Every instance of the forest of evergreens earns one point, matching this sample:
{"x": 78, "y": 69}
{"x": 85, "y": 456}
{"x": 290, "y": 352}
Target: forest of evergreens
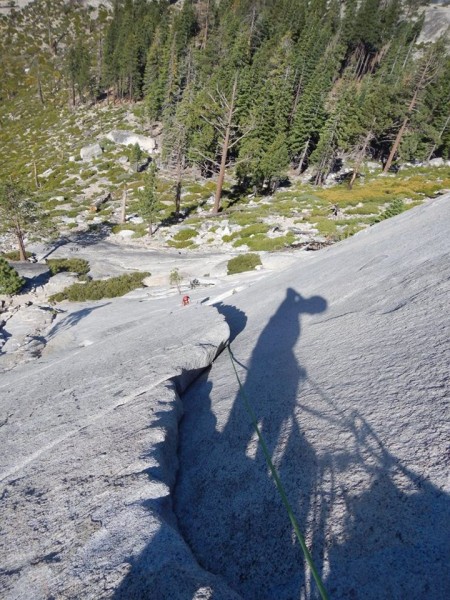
{"x": 267, "y": 85}
{"x": 316, "y": 81}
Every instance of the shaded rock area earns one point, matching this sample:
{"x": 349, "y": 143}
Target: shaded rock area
{"x": 88, "y": 460}
{"x": 35, "y": 274}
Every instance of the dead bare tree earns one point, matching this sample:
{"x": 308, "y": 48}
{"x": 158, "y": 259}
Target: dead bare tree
{"x": 123, "y": 211}
{"x": 224, "y": 122}
{"x": 428, "y": 70}
{"x": 441, "y": 133}
{"x": 360, "y": 153}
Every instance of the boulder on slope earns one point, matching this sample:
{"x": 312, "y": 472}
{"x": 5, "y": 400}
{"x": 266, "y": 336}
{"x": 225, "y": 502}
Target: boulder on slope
{"x": 129, "y": 138}
{"x": 90, "y": 152}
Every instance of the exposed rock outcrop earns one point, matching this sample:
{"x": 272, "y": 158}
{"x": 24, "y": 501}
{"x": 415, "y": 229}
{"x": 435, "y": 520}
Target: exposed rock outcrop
{"x": 437, "y": 23}
{"x": 88, "y": 153}
{"x": 128, "y": 138}
{"x": 344, "y": 357}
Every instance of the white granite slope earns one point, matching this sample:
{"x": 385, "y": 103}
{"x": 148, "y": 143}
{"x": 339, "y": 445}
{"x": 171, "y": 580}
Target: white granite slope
{"x": 345, "y": 358}
{"x": 89, "y": 439}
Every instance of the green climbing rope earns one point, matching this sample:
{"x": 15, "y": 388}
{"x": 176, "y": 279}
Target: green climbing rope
{"x": 279, "y": 485}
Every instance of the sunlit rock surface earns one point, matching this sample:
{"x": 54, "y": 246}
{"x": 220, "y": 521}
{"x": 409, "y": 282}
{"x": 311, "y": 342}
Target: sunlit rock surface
{"x": 89, "y": 439}
{"x": 344, "y": 357}
{"x": 345, "y": 362}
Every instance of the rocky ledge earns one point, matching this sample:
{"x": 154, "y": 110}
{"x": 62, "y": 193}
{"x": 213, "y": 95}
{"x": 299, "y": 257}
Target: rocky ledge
{"x": 89, "y": 442}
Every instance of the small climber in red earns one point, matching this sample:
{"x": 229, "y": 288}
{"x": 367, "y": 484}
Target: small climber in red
{"x": 185, "y": 300}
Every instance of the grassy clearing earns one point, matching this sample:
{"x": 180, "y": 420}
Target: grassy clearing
{"x": 380, "y": 190}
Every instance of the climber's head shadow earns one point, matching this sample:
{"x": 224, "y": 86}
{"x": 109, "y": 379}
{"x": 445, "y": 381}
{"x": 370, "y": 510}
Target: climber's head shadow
{"x": 235, "y": 317}
{"x": 310, "y": 306}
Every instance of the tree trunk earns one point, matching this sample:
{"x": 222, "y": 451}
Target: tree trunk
{"x": 353, "y": 177}
{"x": 40, "y": 94}
{"x": 226, "y": 142}
{"x": 36, "y": 180}
{"x": 123, "y": 214}
{"x": 401, "y": 132}
{"x": 178, "y": 188}
{"x": 360, "y": 159}
{"x": 99, "y": 67}
{"x": 178, "y": 198}
{"x": 22, "y": 252}
{"x": 440, "y": 137}
{"x": 424, "y": 80}
{"x": 205, "y": 35}
{"x": 150, "y": 229}
{"x": 298, "y": 90}
{"x": 302, "y": 159}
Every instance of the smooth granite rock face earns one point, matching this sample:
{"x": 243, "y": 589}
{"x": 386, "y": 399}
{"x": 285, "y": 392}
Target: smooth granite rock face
{"x": 436, "y": 23}
{"x": 345, "y": 362}
{"x": 89, "y": 441}
{"x": 344, "y": 357}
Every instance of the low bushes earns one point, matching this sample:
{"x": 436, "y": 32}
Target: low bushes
{"x": 246, "y": 232}
{"x": 261, "y": 243}
{"x": 140, "y": 229}
{"x": 185, "y": 244}
{"x": 183, "y": 239}
{"x": 253, "y": 230}
{"x": 395, "y": 208}
{"x": 250, "y": 217}
{"x": 185, "y": 234}
{"x": 14, "y": 255}
{"x": 72, "y": 265}
{"x": 244, "y": 262}
{"x": 105, "y": 288}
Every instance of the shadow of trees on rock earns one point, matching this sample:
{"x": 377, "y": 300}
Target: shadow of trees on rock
{"x": 96, "y": 233}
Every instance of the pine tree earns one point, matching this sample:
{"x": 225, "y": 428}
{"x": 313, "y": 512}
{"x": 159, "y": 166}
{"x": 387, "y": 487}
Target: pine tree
{"x": 10, "y": 281}
{"x": 269, "y": 116}
{"x": 177, "y": 141}
{"x": 78, "y": 67}
{"x": 19, "y": 214}
{"x": 154, "y": 81}
{"x": 311, "y": 114}
{"x": 136, "y": 154}
{"x": 148, "y": 206}
{"x": 275, "y": 162}
{"x": 219, "y": 115}
{"x": 429, "y": 126}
